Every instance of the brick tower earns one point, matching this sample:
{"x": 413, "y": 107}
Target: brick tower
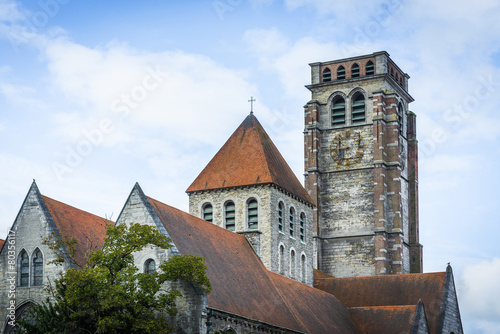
{"x": 361, "y": 167}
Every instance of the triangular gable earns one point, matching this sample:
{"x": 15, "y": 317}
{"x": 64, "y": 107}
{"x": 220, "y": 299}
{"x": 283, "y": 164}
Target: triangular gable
{"x": 242, "y": 285}
{"x": 448, "y": 320}
{"x": 389, "y": 290}
{"x": 137, "y": 209}
{"x": 249, "y": 157}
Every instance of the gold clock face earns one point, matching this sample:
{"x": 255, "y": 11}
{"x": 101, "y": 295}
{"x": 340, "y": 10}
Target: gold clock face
{"x": 347, "y": 148}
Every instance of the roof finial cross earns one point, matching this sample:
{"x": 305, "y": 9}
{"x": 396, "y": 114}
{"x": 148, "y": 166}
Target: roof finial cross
{"x": 251, "y": 104}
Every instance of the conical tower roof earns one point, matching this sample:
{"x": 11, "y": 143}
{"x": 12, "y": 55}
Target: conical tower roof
{"x": 249, "y": 157}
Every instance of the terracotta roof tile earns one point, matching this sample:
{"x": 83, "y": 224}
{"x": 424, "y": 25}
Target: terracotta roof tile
{"x": 242, "y": 285}
{"x": 384, "y": 319}
{"x": 1, "y": 243}
{"x": 389, "y": 290}
{"x": 249, "y": 157}
{"x": 89, "y": 230}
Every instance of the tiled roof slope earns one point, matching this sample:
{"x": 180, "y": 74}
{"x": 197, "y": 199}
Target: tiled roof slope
{"x": 242, "y": 285}
{"x": 89, "y": 230}
{"x": 1, "y": 243}
{"x": 249, "y": 157}
{"x": 389, "y": 290}
{"x": 381, "y": 319}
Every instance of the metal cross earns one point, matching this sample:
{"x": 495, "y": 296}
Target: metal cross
{"x": 251, "y": 103}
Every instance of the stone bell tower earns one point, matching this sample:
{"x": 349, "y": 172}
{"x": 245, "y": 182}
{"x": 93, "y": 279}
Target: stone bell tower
{"x": 361, "y": 167}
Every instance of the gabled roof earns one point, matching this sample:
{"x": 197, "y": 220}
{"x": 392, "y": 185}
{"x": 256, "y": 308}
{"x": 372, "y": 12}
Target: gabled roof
{"x": 389, "y": 290}
{"x": 242, "y": 285}
{"x": 87, "y": 229}
{"x": 249, "y": 157}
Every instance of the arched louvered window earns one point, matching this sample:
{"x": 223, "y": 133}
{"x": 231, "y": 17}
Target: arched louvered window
{"x": 327, "y": 75}
{"x": 355, "y": 71}
{"x": 281, "y": 207}
{"x": 400, "y": 118}
{"x": 24, "y": 268}
{"x": 208, "y": 212}
{"x": 338, "y": 111}
{"x": 358, "y": 108}
{"x": 370, "y": 68}
{"x": 230, "y": 215}
{"x": 302, "y": 228}
{"x": 149, "y": 266}
{"x": 292, "y": 222}
{"x": 37, "y": 268}
{"x": 341, "y": 73}
{"x": 392, "y": 72}
{"x": 253, "y": 214}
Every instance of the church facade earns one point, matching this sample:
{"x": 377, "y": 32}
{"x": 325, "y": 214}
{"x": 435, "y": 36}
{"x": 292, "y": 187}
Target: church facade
{"x": 340, "y": 255}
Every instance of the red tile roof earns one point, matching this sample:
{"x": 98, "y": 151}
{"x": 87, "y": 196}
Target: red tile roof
{"x": 389, "y": 290}
{"x": 249, "y": 157}
{"x": 384, "y": 319}
{"x": 1, "y": 243}
{"x": 242, "y": 285}
{"x": 89, "y": 230}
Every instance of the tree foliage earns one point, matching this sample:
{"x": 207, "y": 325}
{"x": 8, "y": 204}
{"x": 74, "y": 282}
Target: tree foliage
{"x": 110, "y": 295}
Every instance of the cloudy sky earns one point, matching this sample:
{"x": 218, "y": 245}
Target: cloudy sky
{"x": 96, "y": 95}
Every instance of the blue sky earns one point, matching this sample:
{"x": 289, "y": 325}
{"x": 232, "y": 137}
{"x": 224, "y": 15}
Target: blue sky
{"x": 96, "y": 95}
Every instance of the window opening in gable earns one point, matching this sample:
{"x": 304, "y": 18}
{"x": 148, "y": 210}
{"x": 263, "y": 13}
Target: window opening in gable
{"x": 24, "y": 268}
{"x": 37, "y": 268}
{"x": 149, "y": 266}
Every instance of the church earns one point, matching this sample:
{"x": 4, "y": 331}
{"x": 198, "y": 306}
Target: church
{"x": 339, "y": 254}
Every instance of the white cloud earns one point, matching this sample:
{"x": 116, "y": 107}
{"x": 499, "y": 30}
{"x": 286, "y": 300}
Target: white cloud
{"x": 480, "y": 290}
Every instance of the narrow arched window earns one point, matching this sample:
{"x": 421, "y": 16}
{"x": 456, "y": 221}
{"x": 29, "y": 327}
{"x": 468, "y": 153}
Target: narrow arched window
{"x": 24, "y": 268}
{"x": 292, "y": 217}
{"x": 280, "y": 216}
{"x": 341, "y": 73}
{"x": 392, "y": 72}
{"x": 358, "y": 108}
{"x": 370, "y": 68}
{"x": 302, "y": 227}
{"x": 282, "y": 260}
{"x": 230, "y": 217}
{"x": 208, "y": 212}
{"x": 292, "y": 264}
{"x": 355, "y": 71}
{"x": 400, "y": 118}
{"x": 327, "y": 75}
{"x": 303, "y": 268}
{"x": 149, "y": 266}
{"x": 253, "y": 214}
{"x": 338, "y": 111}
{"x": 37, "y": 268}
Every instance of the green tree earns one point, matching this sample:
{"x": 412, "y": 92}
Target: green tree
{"x": 108, "y": 294}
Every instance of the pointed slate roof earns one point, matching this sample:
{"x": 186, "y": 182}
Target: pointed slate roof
{"x": 242, "y": 285}
{"x": 249, "y": 157}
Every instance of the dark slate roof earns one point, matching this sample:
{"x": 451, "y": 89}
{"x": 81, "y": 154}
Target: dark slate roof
{"x": 389, "y": 290}
{"x": 89, "y": 230}
{"x": 242, "y": 285}
{"x": 249, "y": 157}
{"x": 384, "y": 319}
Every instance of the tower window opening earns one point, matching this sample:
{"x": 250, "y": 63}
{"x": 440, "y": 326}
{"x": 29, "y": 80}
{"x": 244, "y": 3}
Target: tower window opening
{"x": 341, "y": 73}
{"x": 280, "y": 216}
{"x": 370, "y": 68}
{"x": 149, "y": 266}
{"x": 292, "y": 214}
{"x": 358, "y": 108}
{"x": 282, "y": 260}
{"x": 327, "y": 75}
{"x": 253, "y": 214}
{"x": 355, "y": 71}
{"x": 338, "y": 111}
{"x": 230, "y": 216}
{"x": 302, "y": 227}
{"x": 208, "y": 211}
{"x": 303, "y": 268}
{"x": 400, "y": 119}
{"x": 292, "y": 264}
